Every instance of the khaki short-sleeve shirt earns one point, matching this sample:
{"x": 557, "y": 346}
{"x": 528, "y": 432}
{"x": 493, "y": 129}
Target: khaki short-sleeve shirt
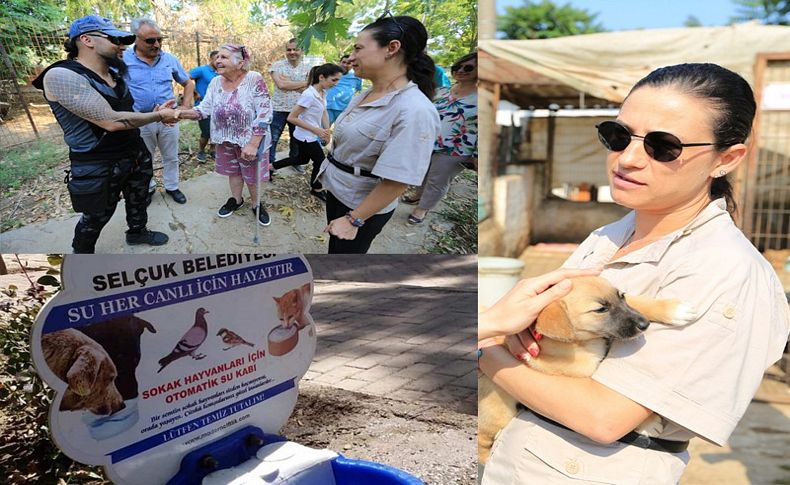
{"x": 392, "y": 137}
{"x": 699, "y": 378}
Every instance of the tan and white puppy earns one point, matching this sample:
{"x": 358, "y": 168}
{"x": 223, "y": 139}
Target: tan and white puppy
{"x": 577, "y": 330}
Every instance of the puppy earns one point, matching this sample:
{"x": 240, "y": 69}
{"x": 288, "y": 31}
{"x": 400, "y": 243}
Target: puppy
{"x": 90, "y": 373}
{"x": 577, "y": 331}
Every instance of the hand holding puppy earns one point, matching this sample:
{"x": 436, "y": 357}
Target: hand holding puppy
{"x": 519, "y": 308}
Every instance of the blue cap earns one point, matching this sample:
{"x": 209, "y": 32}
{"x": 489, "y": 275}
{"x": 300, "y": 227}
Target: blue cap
{"x": 94, "y": 23}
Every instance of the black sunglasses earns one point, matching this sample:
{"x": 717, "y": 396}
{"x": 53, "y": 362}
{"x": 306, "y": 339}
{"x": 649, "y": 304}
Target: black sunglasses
{"x": 387, "y": 14}
{"x": 153, "y": 40}
{"x": 111, "y": 38}
{"x": 464, "y": 68}
{"x": 661, "y": 146}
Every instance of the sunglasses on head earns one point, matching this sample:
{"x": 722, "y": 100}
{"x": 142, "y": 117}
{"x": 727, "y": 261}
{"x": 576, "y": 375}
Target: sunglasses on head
{"x": 386, "y": 14}
{"x": 464, "y": 68}
{"x": 153, "y": 40}
{"x": 111, "y": 38}
{"x": 659, "y": 145}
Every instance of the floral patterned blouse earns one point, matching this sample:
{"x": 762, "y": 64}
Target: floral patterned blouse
{"x": 239, "y": 114}
{"x": 459, "y": 123}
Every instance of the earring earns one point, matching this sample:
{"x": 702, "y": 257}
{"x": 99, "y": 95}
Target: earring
{"x": 721, "y": 173}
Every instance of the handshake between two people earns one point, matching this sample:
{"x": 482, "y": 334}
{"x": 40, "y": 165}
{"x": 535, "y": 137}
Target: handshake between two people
{"x": 171, "y": 114}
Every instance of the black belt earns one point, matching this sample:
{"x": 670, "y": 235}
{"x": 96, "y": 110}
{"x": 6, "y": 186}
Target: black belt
{"x": 349, "y": 169}
{"x": 636, "y": 439}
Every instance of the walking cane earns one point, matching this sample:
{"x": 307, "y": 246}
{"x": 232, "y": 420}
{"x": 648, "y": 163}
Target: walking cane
{"x": 256, "y": 239}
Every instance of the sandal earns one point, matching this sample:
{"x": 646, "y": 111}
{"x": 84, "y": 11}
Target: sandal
{"x": 409, "y": 199}
{"x": 413, "y": 220}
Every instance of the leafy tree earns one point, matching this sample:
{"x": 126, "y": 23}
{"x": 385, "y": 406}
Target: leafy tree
{"x": 119, "y": 11}
{"x": 545, "y": 20}
{"x": 773, "y": 12}
{"x": 328, "y": 27}
{"x": 24, "y": 29}
{"x": 692, "y": 21}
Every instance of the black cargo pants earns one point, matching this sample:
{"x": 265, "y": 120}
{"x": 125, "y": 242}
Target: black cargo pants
{"x": 129, "y": 176}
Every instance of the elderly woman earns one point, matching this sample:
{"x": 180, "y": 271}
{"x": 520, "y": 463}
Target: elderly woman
{"x": 456, "y": 147}
{"x": 238, "y": 103}
{"x": 384, "y": 139}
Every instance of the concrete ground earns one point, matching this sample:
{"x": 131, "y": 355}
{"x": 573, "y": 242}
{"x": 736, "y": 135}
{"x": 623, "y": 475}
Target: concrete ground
{"x": 393, "y": 379}
{"x": 400, "y": 327}
{"x": 195, "y": 227}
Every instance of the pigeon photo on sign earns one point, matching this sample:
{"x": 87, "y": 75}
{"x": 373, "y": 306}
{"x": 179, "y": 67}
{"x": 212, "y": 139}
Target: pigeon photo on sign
{"x": 152, "y": 357}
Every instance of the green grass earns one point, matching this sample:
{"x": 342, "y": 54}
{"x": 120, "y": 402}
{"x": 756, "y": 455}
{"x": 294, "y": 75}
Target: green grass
{"x": 21, "y": 165}
{"x": 189, "y": 132}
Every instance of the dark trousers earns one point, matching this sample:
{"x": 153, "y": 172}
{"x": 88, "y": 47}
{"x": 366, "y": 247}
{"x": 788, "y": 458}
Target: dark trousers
{"x": 365, "y": 234}
{"x": 129, "y": 177}
{"x": 279, "y": 120}
{"x": 308, "y": 150}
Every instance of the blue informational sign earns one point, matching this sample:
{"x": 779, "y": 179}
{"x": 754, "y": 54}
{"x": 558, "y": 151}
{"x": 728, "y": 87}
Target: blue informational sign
{"x": 152, "y": 357}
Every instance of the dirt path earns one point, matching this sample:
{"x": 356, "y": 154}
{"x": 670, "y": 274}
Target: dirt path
{"x": 435, "y": 444}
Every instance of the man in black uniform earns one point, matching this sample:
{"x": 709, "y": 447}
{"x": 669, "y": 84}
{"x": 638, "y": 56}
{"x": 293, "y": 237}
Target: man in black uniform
{"x": 93, "y": 105}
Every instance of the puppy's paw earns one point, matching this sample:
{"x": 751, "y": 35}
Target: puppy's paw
{"x": 683, "y": 314}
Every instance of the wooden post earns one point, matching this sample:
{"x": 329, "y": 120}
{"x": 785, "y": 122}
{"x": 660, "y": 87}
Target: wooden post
{"x": 197, "y": 47}
{"x": 10, "y": 67}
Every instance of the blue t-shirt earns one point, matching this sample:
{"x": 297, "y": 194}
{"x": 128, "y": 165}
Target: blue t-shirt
{"x": 338, "y": 97}
{"x": 202, "y": 76}
{"x": 441, "y": 79}
{"x": 152, "y": 85}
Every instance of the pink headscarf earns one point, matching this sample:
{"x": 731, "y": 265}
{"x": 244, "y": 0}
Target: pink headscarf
{"x": 239, "y": 50}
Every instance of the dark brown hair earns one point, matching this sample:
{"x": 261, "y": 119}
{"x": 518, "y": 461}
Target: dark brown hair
{"x": 728, "y": 94}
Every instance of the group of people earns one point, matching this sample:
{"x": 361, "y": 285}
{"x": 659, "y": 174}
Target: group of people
{"x": 366, "y": 147}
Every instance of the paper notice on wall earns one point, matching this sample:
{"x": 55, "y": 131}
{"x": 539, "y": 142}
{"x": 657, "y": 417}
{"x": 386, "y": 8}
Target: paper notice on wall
{"x": 153, "y": 356}
{"x": 776, "y": 96}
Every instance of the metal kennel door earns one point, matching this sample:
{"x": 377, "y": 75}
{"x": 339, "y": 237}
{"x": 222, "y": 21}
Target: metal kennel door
{"x": 765, "y": 196}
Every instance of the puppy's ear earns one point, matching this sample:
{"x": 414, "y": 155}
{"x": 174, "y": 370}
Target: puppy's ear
{"x": 83, "y": 371}
{"x": 554, "y": 322}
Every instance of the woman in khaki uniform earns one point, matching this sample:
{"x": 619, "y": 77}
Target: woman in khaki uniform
{"x": 679, "y": 134}
{"x": 383, "y": 141}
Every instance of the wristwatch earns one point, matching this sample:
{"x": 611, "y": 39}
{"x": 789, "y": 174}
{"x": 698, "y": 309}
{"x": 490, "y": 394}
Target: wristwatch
{"x": 355, "y": 221}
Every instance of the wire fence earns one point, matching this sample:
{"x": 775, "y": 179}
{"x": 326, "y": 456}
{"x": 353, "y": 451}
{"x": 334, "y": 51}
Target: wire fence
{"x": 25, "y": 115}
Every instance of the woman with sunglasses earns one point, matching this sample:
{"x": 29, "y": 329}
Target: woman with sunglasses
{"x": 456, "y": 147}
{"x": 384, "y": 139}
{"x": 679, "y": 135}
{"x": 240, "y": 109}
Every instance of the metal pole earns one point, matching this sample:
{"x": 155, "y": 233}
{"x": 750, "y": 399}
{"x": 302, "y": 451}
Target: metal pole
{"x": 10, "y": 66}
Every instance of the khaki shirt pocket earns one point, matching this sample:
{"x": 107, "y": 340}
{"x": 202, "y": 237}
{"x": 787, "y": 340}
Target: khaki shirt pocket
{"x": 588, "y": 461}
{"x": 374, "y": 135}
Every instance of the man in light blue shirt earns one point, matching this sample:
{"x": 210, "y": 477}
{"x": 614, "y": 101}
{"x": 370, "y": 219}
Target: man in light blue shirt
{"x": 338, "y": 97}
{"x": 203, "y": 76}
{"x": 150, "y": 77}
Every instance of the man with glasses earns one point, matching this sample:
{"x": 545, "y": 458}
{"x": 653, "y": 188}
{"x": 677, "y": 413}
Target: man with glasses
{"x": 93, "y": 106}
{"x": 290, "y": 79}
{"x": 150, "y": 76}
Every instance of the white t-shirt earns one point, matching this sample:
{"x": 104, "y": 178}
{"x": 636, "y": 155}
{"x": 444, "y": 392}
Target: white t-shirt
{"x": 314, "y": 105}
